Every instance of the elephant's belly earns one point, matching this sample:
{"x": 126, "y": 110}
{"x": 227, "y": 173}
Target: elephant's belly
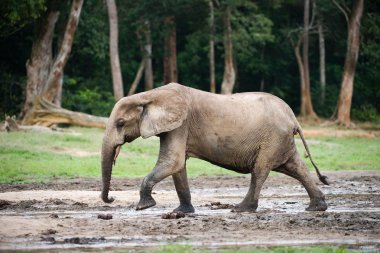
{"x": 236, "y": 168}
{"x": 224, "y": 164}
{"x": 226, "y": 147}
{"x": 231, "y": 159}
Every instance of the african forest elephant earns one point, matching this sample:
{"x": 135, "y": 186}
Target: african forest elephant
{"x": 247, "y": 133}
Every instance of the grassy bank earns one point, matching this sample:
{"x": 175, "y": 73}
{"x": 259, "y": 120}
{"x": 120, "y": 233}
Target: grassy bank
{"x": 26, "y": 157}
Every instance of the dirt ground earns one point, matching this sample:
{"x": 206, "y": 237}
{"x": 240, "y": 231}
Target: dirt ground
{"x": 68, "y": 214}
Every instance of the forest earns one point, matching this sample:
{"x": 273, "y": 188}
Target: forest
{"x": 321, "y": 57}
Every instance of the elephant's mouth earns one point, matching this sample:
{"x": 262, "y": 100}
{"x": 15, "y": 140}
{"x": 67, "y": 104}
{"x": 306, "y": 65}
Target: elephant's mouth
{"x": 117, "y": 151}
{"x": 127, "y": 139}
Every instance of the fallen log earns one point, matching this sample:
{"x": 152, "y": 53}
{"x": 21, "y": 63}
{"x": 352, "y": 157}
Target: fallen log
{"x": 48, "y": 114}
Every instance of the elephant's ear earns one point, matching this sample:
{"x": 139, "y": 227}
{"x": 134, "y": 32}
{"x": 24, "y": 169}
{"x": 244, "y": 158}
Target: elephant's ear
{"x": 164, "y": 110}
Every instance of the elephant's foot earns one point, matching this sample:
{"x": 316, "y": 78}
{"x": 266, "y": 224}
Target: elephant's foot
{"x": 185, "y": 208}
{"x": 317, "y": 205}
{"x": 244, "y": 207}
{"x": 145, "y": 203}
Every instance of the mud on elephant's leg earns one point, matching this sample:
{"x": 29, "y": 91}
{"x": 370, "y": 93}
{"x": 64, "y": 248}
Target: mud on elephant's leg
{"x": 297, "y": 169}
{"x": 183, "y": 192}
{"x": 160, "y": 171}
{"x": 146, "y": 199}
{"x": 250, "y": 202}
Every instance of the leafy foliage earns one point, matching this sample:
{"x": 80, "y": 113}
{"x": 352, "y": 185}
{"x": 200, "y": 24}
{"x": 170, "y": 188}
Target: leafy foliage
{"x": 18, "y": 13}
{"x": 89, "y": 101}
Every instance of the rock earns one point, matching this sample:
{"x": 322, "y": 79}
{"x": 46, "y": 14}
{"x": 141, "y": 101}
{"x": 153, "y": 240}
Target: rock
{"x": 49, "y": 232}
{"x": 107, "y": 216}
{"x": 173, "y": 215}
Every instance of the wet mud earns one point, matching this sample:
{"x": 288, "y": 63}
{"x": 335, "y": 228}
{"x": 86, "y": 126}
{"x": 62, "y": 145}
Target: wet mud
{"x": 71, "y": 215}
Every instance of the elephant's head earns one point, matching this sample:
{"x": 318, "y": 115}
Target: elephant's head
{"x": 145, "y": 114}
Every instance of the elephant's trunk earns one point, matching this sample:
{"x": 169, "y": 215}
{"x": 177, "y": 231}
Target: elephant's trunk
{"x": 108, "y": 153}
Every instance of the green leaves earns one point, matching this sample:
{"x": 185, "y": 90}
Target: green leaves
{"x": 17, "y": 13}
{"x": 92, "y": 101}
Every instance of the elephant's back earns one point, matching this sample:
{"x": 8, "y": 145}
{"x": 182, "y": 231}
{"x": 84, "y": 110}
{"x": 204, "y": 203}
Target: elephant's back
{"x": 250, "y": 109}
{"x": 267, "y": 107}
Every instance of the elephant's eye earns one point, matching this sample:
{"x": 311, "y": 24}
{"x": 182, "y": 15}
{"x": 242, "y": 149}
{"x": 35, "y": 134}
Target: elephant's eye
{"x": 120, "y": 123}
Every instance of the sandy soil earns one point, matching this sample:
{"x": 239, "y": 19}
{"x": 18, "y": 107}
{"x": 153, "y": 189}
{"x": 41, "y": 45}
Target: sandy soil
{"x": 70, "y": 215}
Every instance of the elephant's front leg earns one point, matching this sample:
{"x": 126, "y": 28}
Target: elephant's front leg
{"x": 183, "y": 192}
{"x": 160, "y": 171}
{"x": 171, "y": 161}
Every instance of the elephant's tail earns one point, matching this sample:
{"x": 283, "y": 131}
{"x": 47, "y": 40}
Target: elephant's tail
{"x": 321, "y": 177}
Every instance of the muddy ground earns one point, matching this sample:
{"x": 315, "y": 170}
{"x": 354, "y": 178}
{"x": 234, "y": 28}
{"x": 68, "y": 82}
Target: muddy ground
{"x": 68, "y": 214}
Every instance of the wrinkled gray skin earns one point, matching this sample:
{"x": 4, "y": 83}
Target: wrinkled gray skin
{"x": 247, "y": 133}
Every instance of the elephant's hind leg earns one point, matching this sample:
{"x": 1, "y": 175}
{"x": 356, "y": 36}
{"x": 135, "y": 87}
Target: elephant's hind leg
{"x": 297, "y": 169}
{"x": 183, "y": 192}
{"x": 250, "y": 202}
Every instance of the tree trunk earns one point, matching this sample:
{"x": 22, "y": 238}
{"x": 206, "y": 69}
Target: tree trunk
{"x": 262, "y": 85}
{"x": 55, "y": 76}
{"x": 229, "y": 71}
{"x": 212, "y": 49}
{"x": 262, "y": 81}
{"x": 148, "y": 69}
{"x": 170, "y": 57}
{"x": 322, "y": 61}
{"x": 353, "y": 45}
{"x": 307, "y": 110}
{"x": 300, "y": 63}
{"x": 58, "y": 98}
{"x": 39, "y": 63}
{"x": 138, "y": 76}
{"x": 114, "y": 50}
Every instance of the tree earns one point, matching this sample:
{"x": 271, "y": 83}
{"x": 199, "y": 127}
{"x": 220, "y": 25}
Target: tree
{"x": 45, "y": 75}
{"x": 212, "y": 49}
{"x": 114, "y": 50}
{"x": 53, "y": 85}
{"x": 306, "y": 108}
{"x": 170, "y": 51}
{"x": 229, "y": 69}
{"x": 322, "y": 56}
{"x": 353, "y": 18}
{"x": 38, "y": 65}
{"x": 148, "y": 69}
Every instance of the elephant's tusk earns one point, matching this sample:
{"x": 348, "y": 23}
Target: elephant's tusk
{"x": 117, "y": 151}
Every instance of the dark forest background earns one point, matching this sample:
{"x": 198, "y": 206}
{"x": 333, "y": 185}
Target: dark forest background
{"x": 263, "y": 54}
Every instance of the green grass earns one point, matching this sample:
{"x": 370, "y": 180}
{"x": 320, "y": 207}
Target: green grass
{"x": 36, "y": 157}
{"x": 343, "y": 153}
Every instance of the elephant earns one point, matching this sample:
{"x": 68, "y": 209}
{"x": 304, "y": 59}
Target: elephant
{"x": 249, "y": 133}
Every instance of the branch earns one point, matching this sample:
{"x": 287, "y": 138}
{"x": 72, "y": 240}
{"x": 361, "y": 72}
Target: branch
{"x": 343, "y": 9}
{"x": 313, "y": 11}
{"x": 132, "y": 90}
{"x": 216, "y": 3}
